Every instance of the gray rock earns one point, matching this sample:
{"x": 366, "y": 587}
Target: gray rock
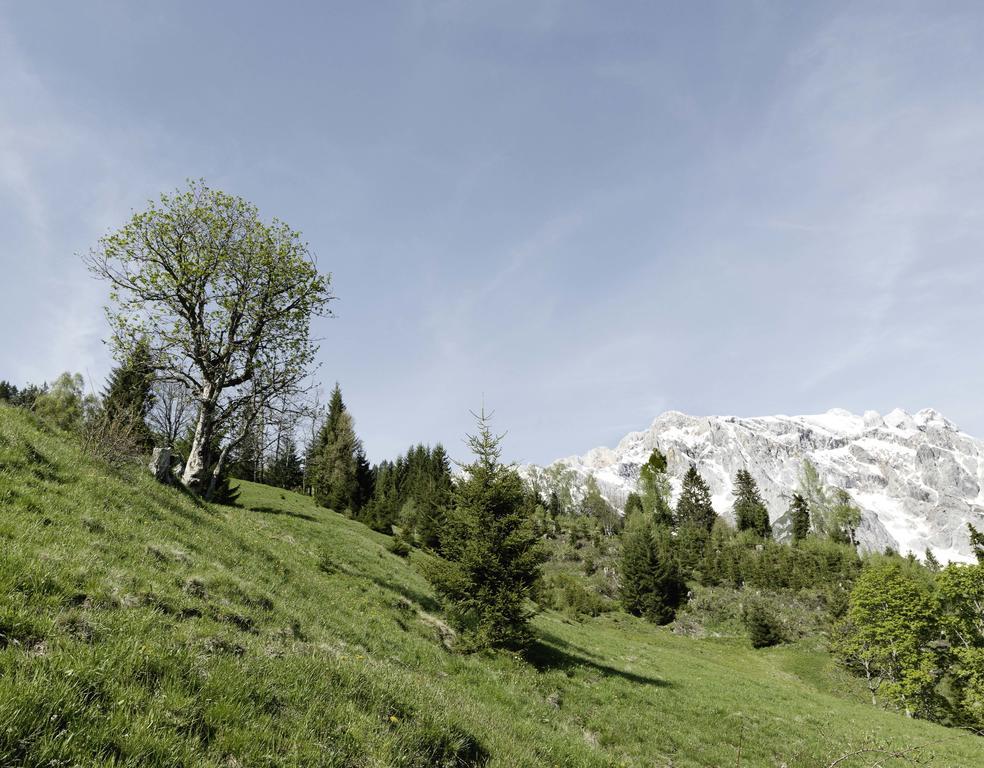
{"x": 160, "y": 464}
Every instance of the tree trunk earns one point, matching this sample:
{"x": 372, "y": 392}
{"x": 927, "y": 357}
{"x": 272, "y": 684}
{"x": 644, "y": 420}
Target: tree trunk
{"x": 195, "y": 475}
{"x": 217, "y": 473}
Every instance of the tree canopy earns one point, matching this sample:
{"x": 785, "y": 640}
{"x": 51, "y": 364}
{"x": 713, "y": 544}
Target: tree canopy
{"x": 225, "y": 302}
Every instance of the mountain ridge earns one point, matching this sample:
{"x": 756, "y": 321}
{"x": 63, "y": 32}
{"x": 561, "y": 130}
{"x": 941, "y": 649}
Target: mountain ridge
{"x": 917, "y": 478}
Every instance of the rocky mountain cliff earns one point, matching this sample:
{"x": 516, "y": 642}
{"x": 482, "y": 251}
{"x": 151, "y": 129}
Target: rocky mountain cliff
{"x": 917, "y": 478}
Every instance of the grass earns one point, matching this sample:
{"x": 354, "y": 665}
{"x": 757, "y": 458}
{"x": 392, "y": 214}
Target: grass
{"x": 139, "y": 627}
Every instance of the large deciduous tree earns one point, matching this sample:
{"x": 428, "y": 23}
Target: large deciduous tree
{"x": 887, "y": 636}
{"x": 225, "y": 302}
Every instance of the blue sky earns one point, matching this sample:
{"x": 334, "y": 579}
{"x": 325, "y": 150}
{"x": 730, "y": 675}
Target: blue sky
{"x": 586, "y": 213}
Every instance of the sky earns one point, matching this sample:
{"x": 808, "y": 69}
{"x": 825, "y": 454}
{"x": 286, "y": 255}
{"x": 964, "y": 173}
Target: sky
{"x": 580, "y": 214}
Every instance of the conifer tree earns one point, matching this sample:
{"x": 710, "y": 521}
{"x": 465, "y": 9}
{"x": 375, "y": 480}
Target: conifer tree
{"x": 763, "y": 627}
{"x": 654, "y": 489}
{"x": 434, "y": 499}
{"x": 8, "y": 392}
{"x": 694, "y": 505}
{"x": 363, "y": 479}
{"x": 749, "y": 509}
{"x": 381, "y": 512}
{"x": 553, "y": 505}
{"x": 492, "y": 557}
{"x": 335, "y": 472}
{"x": 651, "y": 583}
{"x": 633, "y": 504}
{"x": 285, "y": 470}
{"x": 128, "y": 398}
{"x": 931, "y": 562}
{"x": 976, "y": 542}
{"x": 799, "y": 514}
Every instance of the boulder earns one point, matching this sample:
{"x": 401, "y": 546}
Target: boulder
{"x": 160, "y": 464}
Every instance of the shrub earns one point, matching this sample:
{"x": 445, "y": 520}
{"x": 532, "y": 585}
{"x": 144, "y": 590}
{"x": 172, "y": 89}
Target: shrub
{"x": 763, "y": 627}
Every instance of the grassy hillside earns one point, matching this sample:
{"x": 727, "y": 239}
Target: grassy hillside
{"x": 140, "y": 627}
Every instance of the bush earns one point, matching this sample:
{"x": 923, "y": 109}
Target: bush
{"x": 763, "y": 627}
{"x": 116, "y": 441}
{"x": 569, "y": 594}
{"x": 400, "y": 547}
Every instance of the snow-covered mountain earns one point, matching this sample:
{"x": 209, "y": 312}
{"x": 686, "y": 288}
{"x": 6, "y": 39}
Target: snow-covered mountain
{"x": 917, "y": 478}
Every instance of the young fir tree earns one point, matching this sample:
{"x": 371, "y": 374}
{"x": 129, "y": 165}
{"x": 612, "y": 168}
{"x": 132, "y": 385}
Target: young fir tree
{"x": 654, "y": 489}
{"x": 492, "y": 557}
{"x": 384, "y": 506}
{"x": 554, "y": 509}
{"x": 434, "y": 498}
{"x": 749, "y": 509}
{"x": 363, "y": 479}
{"x": 128, "y": 398}
{"x": 763, "y": 627}
{"x": 931, "y": 562}
{"x": 8, "y": 392}
{"x": 651, "y": 584}
{"x": 799, "y": 514}
{"x": 976, "y": 542}
{"x": 335, "y": 474}
{"x": 633, "y": 504}
{"x": 285, "y": 470}
{"x": 694, "y": 505}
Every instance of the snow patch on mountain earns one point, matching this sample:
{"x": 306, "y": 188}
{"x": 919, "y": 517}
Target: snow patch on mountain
{"x": 916, "y": 477}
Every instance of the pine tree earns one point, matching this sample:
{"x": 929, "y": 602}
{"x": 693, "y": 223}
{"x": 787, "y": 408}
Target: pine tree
{"x": 553, "y": 506}
{"x": 694, "y": 505}
{"x": 363, "y": 479}
{"x": 335, "y": 472}
{"x": 434, "y": 498}
{"x": 976, "y": 542}
{"x": 654, "y": 489}
{"x": 633, "y": 504}
{"x": 383, "y": 508}
{"x": 285, "y": 470}
{"x": 128, "y": 398}
{"x": 492, "y": 556}
{"x": 763, "y": 627}
{"x": 8, "y": 392}
{"x": 651, "y": 583}
{"x": 749, "y": 509}
{"x": 931, "y": 562}
{"x": 799, "y": 514}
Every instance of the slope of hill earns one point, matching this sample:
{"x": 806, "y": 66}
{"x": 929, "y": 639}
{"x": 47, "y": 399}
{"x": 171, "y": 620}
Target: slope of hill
{"x": 139, "y": 627}
{"x": 917, "y": 478}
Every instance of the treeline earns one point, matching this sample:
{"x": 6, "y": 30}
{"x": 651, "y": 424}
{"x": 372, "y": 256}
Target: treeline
{"x": 913, "y": 630}
{"x": 411, "y": 492}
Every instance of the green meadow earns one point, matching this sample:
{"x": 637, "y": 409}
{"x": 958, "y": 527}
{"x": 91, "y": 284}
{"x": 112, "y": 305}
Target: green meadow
{"x": 140, "y": 626}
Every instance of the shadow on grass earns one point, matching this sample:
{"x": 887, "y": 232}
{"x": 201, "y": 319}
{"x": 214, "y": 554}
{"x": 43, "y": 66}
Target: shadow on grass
{"x": 549, "y": 652}
{"x": 426, "y": 602}
{"x": 278, "y": 511}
